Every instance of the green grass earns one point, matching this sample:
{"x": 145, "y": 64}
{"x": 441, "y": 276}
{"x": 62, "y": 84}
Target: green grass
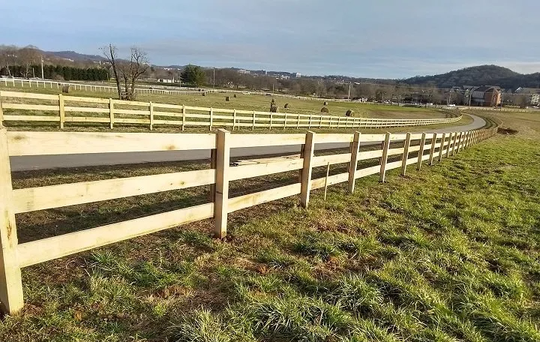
{"x": 451, "y": 253}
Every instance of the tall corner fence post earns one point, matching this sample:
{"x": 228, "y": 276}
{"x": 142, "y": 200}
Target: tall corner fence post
{"x": 307, "y": 154}
{"x": 421, "y": 152}
{"x": 151, "y": 109}
{"x": 111, "y": 113}
{"x": 441, "y": 147}
{"x": 183, "y": 117}
{"x": 221, "y": 196}
{"x": 405, "y": 158}
{"x": 432, "y": 149}
{"x": 11, "y": 290}
{"x": 61, "y": 110}
{"x": 384, "y": 158}
{"x": 353, "y": 165}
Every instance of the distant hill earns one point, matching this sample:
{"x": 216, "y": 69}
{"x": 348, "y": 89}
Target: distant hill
{"x": 75, "y": 56}
{"x": 479, "y": 75}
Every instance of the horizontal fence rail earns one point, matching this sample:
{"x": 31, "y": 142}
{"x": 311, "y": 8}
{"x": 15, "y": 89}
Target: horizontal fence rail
{"x": 62, "y": 110}
{"x": 395, "y": 153}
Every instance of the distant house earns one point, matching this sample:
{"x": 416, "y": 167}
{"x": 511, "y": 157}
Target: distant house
{"x": 532, "y": 94}
{"x": 485, "y": 96}
{"x": 166, "y": 80}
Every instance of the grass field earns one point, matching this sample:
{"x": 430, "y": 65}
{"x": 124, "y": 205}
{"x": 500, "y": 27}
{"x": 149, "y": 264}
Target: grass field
{"x": 262, "y": 103}
{"x": 451, "y": 253}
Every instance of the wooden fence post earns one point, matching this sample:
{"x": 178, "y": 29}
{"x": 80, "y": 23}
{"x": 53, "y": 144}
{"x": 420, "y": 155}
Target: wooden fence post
{"x": 353, "y": 165}
{"x": 441, "y": 148}
{"x": 211, "y": 117}
{"x": 449, "y": 145}
{"x": 151, "y": 115}
{"x": 432, "y": 150}
{"x": 406, "y": 146}
{"x": 253, "y": 124}
{"x": 1, "y": 110}
{"x": 271, "y": 120}
{"x": 111, "y": 112}
{"x": 297, "y": 121}
{"x": 310, "y": 118}
{"x": 421, "y": 152}
{"x": 285, "y": 122}
{"x": 234, "y": 119}
{"x": 384, "y": 159}
{"x": 183, "y": 117}
{"x": 11, "y": 291}
{"x": 454, "y": 144}
{"x": 308, "y": 152}
{"x": 223, "y": 158}
{"x": 61, "y": 112}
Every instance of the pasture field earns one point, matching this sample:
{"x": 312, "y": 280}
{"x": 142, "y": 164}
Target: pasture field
{"x": 451, "y": 253}
{"x": 262, "y": 103}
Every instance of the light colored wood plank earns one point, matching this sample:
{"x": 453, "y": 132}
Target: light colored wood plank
{"x": 332, "y": 180}
{"x": 449, "y": 144}
{"x": 384, "y": 158}
{"x": 421, "y": 151}
{"x": 393, "y": 165}
{"x": 22, "y": 106}
{"x": 432, "y": 148}
{"x": 308, "y": 153}
{"x": 368, "y": 171}
{"x": 223, "y": 158}
{"x": 253, "y": 140}
{"x": 62, "y": 112}
{"x": 334, "y": 138}
{"x": 85, "y": 99}
{"x": 11, "y": 291}
{"x": 370, "y": 154}
{"x": 31, "y": 118}
{"x": 246, "y": 201}
{"x": 86, "y": 109}
{"x": 332, "y": 159}
{"x": 22, "y": 95}
{"x": 55, "y": 196}
{"x": 46, "y": 143}
{"x": 151, "y": 109}
{"x": 263, "y": 169}
{"x": 405, "y": 157}
{"x": 35, "y": 252}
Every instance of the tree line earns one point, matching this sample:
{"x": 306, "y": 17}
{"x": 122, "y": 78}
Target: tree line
{"x": 58, "y": 72}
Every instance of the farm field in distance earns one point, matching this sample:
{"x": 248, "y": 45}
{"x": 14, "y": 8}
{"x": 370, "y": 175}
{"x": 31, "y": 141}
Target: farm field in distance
{"x": 261, "y": 103}
{"x": 450, "y": 253}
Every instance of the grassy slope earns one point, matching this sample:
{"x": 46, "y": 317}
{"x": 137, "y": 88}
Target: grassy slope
{"x": 450, "y": 253}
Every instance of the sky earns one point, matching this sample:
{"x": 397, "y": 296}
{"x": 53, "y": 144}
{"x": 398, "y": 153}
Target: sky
{"x": 376, "y": 39}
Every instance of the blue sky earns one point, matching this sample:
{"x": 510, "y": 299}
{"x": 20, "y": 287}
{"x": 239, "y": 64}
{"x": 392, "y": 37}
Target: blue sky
{"x": 384, "y": 38}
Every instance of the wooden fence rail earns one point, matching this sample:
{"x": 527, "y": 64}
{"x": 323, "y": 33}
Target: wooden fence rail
{"x": 64, "y": 110}
{"x": 395, "y": 153}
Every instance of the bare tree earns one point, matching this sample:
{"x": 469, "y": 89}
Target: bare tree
{"x": 26, "y": 57}
{"x": 8, "y": 55}
{"x": 111, "y": 54}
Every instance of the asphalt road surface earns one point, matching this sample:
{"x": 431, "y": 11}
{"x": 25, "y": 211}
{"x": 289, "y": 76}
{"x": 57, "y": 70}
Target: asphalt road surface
{"x": 88, "y": 159}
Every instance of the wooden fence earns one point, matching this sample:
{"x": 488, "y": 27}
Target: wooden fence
{"x": 394, "y": 153}
{"x": 61, "y": 109}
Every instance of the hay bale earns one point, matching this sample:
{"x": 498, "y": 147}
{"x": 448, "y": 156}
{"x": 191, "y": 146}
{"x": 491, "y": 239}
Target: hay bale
{"x": 234, "y": 95}
{"x": 286, "y": 105}
{"x": 65, "y": 89}
{"x": 227, "y": 98}
{"x": 325, "y": 103}
{"x": 324, "y": 110}
{"x": 203, "y": 94}
{"x": 349, "y": 113}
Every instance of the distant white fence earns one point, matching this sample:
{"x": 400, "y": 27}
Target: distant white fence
{"x": 61, "y": 109}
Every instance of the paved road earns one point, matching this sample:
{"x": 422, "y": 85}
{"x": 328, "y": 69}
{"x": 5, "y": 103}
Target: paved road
{"x": 81, "y": 160}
